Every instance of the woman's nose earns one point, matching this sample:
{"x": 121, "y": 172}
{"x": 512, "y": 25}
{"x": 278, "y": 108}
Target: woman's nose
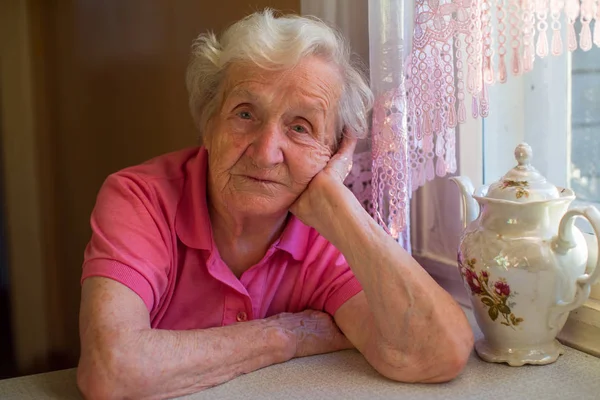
{"x": 267, "y": 147}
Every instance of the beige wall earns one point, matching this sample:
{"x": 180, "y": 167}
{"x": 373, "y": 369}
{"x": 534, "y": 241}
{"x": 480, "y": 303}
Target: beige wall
{"x": 100, "y": 87}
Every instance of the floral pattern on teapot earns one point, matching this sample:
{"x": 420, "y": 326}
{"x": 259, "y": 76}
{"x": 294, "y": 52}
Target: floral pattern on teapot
{"x": 529, "y": 245}
{"x": 494, "y": 295}
{"x": 520, "y": 185}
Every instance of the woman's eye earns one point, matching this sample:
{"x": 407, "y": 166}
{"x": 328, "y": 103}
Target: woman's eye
{"x": 299, "y": 129}
{"x": 245, "y": 115}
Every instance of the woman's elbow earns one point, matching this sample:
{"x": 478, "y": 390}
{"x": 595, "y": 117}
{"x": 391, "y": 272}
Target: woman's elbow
{"x": 436, "y": 371}
{"x": 91, "y": 385}
{"x": 450, "y": 357}
{"x": 451, "y": 352}
{"x": 449, "y": 367}
{"x": 438, "y": 364}
{"x": 104, "y": 377}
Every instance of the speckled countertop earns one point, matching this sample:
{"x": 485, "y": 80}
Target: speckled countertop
{"x": 346, "y": 375}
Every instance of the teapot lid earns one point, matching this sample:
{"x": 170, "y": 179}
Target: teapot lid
{"x": 523, "y": 183}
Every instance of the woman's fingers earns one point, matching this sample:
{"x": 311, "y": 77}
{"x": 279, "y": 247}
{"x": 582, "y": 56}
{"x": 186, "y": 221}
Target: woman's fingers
{"x": 315, "y": 332}
{"x": 341, "y": 162}
{"x": 347, "y": 146}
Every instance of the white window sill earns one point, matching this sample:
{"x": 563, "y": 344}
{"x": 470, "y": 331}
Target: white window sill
{"x": 582, "y": 330}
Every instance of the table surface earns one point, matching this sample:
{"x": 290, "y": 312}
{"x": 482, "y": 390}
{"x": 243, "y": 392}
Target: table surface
{"x": 346, "y": 375}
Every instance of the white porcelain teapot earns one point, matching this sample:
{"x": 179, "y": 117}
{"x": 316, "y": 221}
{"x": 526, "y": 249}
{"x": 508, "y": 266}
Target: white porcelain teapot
{"x": 524, "y": 262}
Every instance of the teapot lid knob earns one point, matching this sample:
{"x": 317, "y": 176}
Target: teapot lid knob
{"x": 523, "y": 183}
{"x": 523, "y": 154}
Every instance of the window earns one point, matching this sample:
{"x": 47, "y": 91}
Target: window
{"x": 584, "y": 168}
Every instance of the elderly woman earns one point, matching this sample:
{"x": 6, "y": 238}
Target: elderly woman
{"x": 215, "y": 261}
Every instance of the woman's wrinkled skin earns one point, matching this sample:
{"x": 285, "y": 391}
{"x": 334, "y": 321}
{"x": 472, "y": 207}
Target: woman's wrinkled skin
{"x": 274, "y": 132}
{"x": 272, "y": 135}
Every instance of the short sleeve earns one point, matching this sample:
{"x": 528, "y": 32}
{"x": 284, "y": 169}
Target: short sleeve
{"x": 331, "y": 281}
{"x": 130, "y": 238}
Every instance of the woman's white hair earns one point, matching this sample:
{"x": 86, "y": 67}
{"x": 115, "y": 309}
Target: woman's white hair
{"x": 276, "y": 43}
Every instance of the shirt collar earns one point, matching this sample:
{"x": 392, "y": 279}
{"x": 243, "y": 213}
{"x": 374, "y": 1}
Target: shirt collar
{"x": 192, "y": 221}
{"x": 294, "y": 238}
{"x": 193, "y": 224}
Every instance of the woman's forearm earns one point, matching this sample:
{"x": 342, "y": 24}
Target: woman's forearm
{"x": 157, "y": 364}
{"x": 412, "y": 314}
{"x": 154, "y": 363}
{"x": 393, "y": 281}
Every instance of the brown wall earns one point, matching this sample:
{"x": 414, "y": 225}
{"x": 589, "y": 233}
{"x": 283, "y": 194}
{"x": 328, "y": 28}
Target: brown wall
{"x": 107, "y": 90}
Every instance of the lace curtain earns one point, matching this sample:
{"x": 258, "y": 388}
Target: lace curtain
{"x": 459, "y": 48}
{"x": 374, "y": 165}
{"x": 390, "y": 31}
{"x": 431, "y": 62}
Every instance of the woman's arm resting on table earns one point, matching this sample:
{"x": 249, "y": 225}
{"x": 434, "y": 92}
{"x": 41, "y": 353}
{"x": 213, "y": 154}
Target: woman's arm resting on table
{"x": 122, "y": 357}
{"x": 404, "y": 323}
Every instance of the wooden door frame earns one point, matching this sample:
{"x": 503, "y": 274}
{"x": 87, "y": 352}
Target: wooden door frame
{"x": 20, "y": 143}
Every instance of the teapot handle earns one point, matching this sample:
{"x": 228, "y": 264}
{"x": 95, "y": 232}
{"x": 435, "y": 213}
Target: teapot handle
{"x": 565, "y": 242}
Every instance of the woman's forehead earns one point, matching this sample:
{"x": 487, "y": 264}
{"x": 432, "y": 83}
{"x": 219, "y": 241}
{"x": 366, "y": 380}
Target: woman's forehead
{"x": 309, "y": 78}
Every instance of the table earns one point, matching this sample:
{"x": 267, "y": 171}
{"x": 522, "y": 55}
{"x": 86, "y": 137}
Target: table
{"x": 346, "y": 375}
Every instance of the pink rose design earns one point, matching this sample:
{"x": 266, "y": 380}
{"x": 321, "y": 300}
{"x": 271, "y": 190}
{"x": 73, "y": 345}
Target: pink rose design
{"x": 473, "y": 282}
{"x": 485, "y": 276}
{"x": 502, "y": 289}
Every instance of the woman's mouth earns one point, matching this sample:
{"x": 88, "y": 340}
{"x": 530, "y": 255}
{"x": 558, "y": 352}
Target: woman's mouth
{"x": 259, "y": 179}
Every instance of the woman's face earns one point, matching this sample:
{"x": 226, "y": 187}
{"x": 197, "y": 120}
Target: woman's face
{"x": 274, "y": 132}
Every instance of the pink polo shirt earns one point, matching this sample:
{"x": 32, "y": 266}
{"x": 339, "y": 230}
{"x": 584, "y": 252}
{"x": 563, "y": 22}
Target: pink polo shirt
{"x": 151, "y": 232}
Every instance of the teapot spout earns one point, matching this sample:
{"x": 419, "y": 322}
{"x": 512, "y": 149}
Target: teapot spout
{"x": 470, "y": 207}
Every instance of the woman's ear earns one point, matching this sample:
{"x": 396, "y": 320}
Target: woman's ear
{"x": 206, "y": 136}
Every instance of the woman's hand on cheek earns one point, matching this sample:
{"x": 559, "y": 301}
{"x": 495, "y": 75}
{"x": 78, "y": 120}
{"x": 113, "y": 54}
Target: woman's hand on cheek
{"x": 340, "y": 164}
{"x": 330, "y": 179}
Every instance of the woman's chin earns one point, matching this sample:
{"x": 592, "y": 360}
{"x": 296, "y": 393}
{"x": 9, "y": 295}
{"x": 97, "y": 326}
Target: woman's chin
{"x": 260, "y": 206}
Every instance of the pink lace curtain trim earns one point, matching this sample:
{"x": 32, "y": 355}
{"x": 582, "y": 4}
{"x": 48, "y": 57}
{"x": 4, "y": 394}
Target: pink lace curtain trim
{"x": 462, "y": 46}
{"x": 359, "y": 180}
{"x": 459, "y": 48}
